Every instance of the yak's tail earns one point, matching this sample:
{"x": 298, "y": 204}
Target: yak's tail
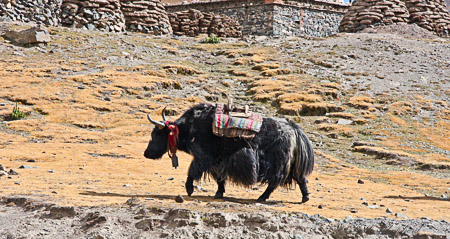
{"x": 303, "y": 155}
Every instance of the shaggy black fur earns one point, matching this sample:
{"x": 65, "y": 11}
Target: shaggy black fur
{"x": 278, "y": 155}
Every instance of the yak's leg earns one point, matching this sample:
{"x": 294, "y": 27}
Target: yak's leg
{"x": 189, "y": 185}
{"x": 304, "y": 189}
{"x": 269, "y": 190}
{"x": 196, "y": 169}
{"x": 220, "y": 189}
{"x": 220, "y": 183}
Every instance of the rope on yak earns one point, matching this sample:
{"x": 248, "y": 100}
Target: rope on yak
{"x": 172, "y": 142}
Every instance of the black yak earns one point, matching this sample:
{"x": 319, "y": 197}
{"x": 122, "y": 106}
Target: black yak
{"x": 277, "y": 155}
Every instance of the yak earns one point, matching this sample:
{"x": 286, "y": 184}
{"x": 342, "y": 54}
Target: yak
{"x": 277, "y": 155}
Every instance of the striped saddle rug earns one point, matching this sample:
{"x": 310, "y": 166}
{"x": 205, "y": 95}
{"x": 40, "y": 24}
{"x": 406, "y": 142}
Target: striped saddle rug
{"x": 228, "y": 125}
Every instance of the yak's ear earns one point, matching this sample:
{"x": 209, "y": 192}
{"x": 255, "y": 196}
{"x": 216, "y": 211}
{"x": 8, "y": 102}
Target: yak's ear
{"x": 158, "y": 124}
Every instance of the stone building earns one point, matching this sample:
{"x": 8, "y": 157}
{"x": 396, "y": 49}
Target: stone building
{"x": 275, "y": 17}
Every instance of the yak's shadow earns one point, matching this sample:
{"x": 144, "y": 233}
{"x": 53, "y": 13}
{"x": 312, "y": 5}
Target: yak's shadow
{"x": 186, "y": 198}
{"x": 417, "y": 198}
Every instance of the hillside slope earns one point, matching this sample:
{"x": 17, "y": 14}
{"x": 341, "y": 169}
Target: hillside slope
{"x": 374, "y": 105}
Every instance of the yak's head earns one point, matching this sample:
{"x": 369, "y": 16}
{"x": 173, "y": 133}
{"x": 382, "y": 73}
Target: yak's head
{"x": 157, "y": 146}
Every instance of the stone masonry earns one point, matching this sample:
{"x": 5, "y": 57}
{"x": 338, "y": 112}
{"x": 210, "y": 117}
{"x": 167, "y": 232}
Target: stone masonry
{"x": 223, "y": 17}
{"x": 146, "y": 16}
{"x": 193, "y": 22}
{"x": 429, "y": 14}
{"x": 103, "y": 15}
{"x": 276, "y": 18}
{"x": 43, "y": 11}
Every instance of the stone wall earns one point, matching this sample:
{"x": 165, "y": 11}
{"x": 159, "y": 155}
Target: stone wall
{"x": 254, "y": 16}
{"x": 255, "y": 20}
{"x": 429, "y": 14}
{"x": 104, "y": 15}
{"x": 194, "y": 22}
{"x": 296, "y": 21}
{"x": 257, "y": 17}
{"x": 43, "y": 11}
{"x": 432, "y": 15}
{"x": 146, "y": 16}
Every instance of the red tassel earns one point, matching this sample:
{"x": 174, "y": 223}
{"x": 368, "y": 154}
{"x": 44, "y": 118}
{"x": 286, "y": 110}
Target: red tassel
{"x": 173, "y": 138}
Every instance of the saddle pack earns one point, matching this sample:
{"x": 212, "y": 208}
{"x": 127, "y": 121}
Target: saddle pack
{"x": 234, "y": 122}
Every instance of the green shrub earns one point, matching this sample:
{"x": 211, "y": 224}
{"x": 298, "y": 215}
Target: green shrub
{"x": 17, "y": 114}
{"x": 212, "y": 39}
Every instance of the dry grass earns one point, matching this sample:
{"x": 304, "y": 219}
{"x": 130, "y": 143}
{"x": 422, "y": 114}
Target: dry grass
{"x": 182, "y": 70}
{"x": 361, "y": 102}
{"x": 266, "y": 66}
{"x": 401, "y": 107}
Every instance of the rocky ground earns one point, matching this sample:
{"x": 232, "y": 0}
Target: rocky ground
{"x": 375, "y": 105}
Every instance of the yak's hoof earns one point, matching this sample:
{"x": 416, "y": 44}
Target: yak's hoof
{"x": 189, "y": 189}
{"x": 305, "y": 199}
{"x": 218, "y": 195}
{"x": 261, "y": 199}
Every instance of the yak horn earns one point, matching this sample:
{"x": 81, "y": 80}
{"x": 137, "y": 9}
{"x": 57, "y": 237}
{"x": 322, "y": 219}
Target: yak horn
{"x": 164, "y": 114}
{"x": 157, "y": 123}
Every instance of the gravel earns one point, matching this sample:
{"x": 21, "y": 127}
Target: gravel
{"x": 40, "y": 220}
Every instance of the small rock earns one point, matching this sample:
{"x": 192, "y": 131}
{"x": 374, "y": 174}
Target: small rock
{"x": 320, "y": 207}
{"x": 373, "y": 206}
{"x": 365, "y": 203}
{"x": 31, "y": 161}
{"x": 151, "y": 199}
{"x": 25, "y": 167}
{"x": 2, "y": 104}
{"x": 443, "y": 196}
{"x": 401, "y": 215}
{"x": 51, "y": 171}
{"x": 353, "y": 211}
{"x": 179, "y": 199}
{"x": 344, "y": 122}
{"x": 3, "y": 173}
{"x": 199, "y": 188}
{"x": 81, "y": 87}
{"x": 329, "y": 220}
{"x": 91, "y": 26}
{"x": 360, "y": 181}
{"x": 170, "y": 179}
{"x": 2, "y": 168}
{"x": 333, "y": 135}
{"x": 12, "y": 172}
{"x": 60, "y": 212}
{"x": 132, "y": 201}
{"x": 127, "y": 185}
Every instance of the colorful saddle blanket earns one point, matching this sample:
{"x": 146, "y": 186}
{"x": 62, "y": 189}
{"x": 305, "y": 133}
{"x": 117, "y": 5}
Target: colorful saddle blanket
{"x": 227, "y": 125}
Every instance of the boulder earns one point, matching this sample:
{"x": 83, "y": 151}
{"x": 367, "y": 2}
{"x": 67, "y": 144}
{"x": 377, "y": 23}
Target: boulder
{"x": 34, "y": 35}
